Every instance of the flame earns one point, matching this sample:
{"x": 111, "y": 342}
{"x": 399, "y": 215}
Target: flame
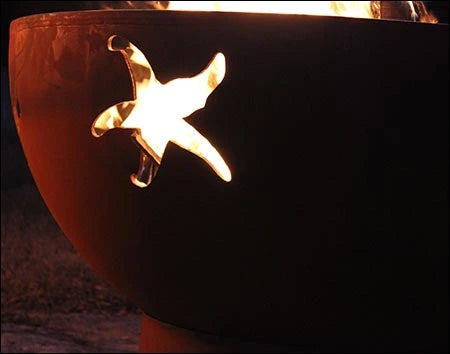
{"x": 403, "y": 10}
{"x": 331, "y": 8}
{"x": 415, "y": 10}
{"x": 156, "y": 112}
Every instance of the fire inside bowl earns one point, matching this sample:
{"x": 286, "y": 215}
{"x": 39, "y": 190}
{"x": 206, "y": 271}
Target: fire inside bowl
{"x": 334, "y": 226}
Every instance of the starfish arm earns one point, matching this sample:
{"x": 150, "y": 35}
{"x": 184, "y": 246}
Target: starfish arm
{"x": 113, "y": 117}
{"x": 191, "y": 93}
{"x": 140, "y": 70}
{"x": 148, "y": 168}
{"x": 145, "y": 147}
{"x": 190, "y": 139}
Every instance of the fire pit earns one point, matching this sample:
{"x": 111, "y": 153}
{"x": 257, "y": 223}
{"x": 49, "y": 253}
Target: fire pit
{"x": 333, "y": 226}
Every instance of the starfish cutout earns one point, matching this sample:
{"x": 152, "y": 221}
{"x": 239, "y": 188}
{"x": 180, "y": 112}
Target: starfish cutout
{"x": 156, "y": 114}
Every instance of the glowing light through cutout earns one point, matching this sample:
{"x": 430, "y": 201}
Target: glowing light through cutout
{"x": 158, "y": 110}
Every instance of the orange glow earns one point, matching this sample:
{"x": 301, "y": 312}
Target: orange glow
{"x": 156, "y": 114}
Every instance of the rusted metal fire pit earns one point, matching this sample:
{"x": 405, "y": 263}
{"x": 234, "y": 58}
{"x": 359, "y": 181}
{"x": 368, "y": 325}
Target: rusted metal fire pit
{"x": 333, "y": 231}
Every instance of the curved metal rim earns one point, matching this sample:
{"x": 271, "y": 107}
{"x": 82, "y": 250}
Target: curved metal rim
{"x": 165, "y": 17}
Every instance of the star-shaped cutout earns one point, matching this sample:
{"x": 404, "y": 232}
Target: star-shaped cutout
{"x": 156, "y": 114}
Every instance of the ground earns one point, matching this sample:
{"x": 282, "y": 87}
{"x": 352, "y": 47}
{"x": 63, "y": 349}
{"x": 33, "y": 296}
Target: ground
{"x": 50, "y": 300}
{"x": 96, "y": 332}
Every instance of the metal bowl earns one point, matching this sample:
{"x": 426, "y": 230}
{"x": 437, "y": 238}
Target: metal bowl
{"x": 334, "y": 227}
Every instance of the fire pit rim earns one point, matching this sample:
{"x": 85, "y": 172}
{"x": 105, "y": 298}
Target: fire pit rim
{"x": 167, "y": 17}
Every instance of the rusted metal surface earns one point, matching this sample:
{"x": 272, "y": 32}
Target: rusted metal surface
{"x": 335, "y": 226}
